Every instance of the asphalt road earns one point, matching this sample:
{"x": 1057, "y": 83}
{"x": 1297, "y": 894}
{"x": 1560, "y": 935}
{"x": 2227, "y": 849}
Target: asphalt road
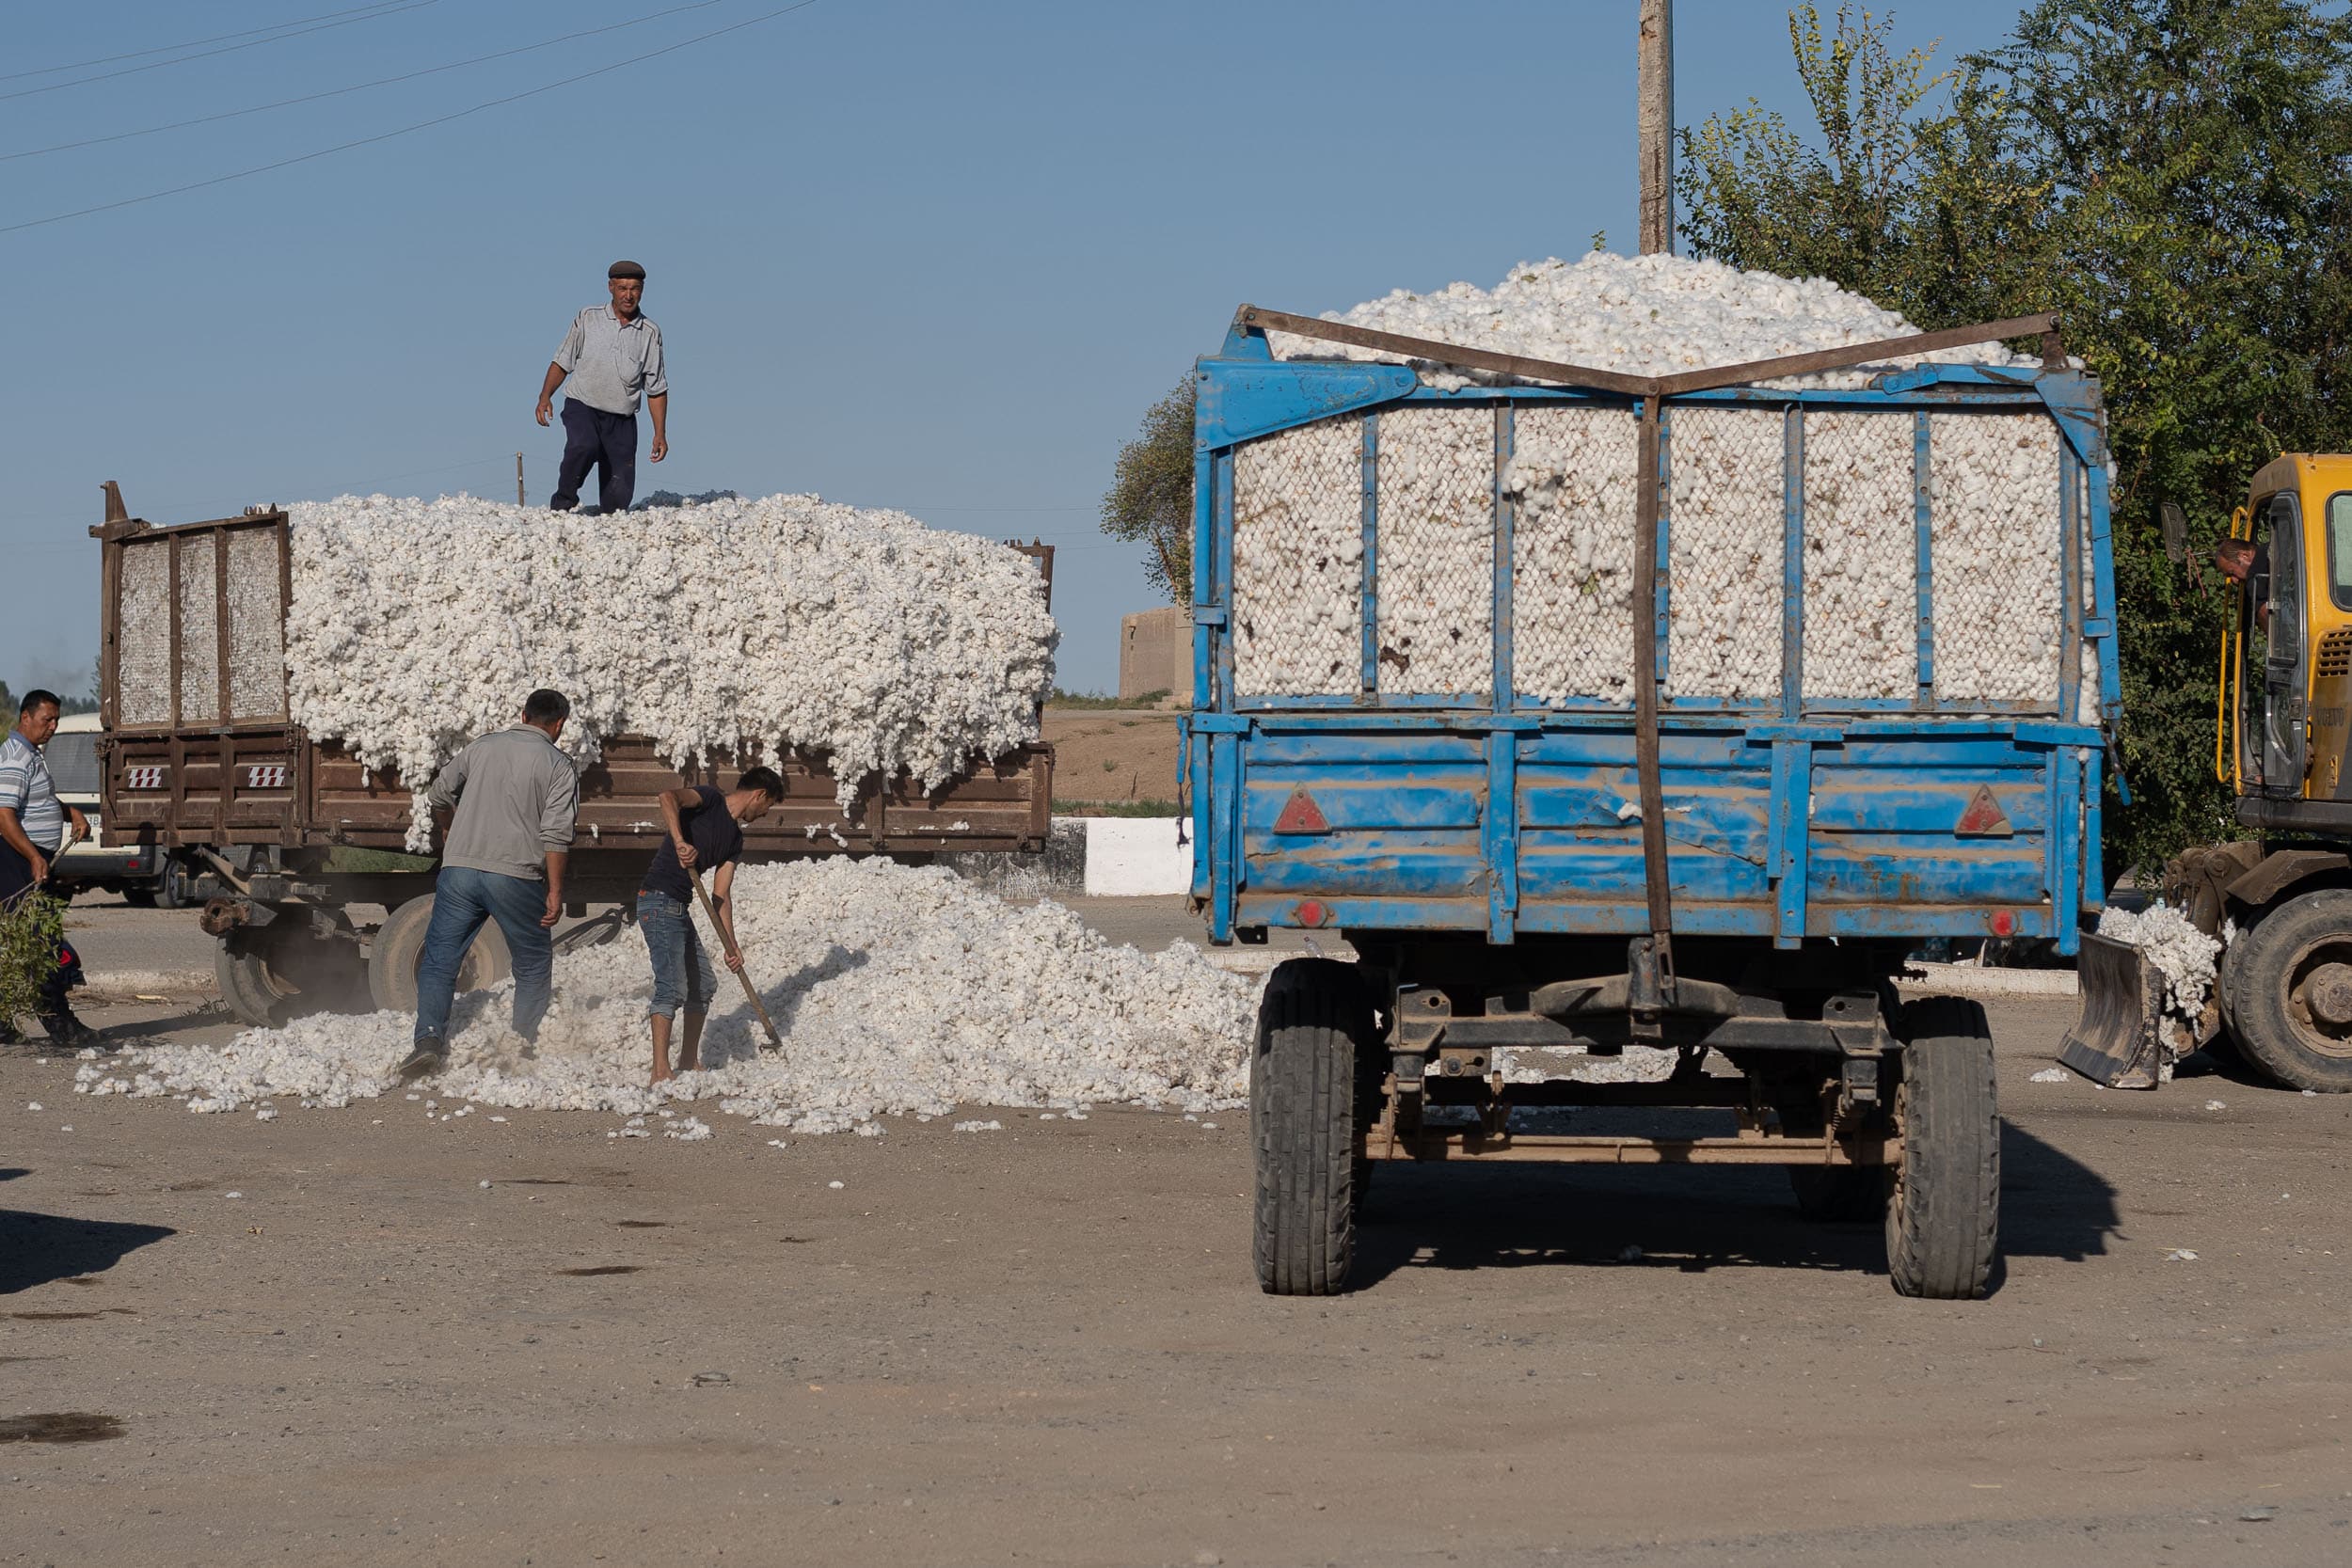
{"x": 1043, "y": 1345}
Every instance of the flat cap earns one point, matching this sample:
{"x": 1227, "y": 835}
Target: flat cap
{"x": 625, "y": 269}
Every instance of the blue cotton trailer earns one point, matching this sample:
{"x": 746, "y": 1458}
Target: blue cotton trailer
{"x": 1865, "y": 703}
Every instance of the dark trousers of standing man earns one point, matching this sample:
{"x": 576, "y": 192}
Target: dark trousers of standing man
{"x": 594, "y": 439}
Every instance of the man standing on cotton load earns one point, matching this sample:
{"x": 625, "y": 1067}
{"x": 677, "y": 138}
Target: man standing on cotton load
{"x": 706, "y": 833}
{"x": 511, "y": 796}
{"x": 614, "y": 356}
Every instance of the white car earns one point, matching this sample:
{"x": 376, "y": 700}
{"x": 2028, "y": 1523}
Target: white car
{"x": 144, "y": 873}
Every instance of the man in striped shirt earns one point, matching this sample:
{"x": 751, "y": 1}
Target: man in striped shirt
{"x": 35, "y": 826}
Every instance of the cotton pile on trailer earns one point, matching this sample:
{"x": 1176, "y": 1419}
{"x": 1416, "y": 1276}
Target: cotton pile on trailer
{"x": 754, "y": 625}
{"x": 1993, "y": 493}
{"x": 898, "y": 989}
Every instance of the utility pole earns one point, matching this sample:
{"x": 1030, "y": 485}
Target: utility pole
{"x": 518, "y": 481}
{"x": 1654, "y": 113}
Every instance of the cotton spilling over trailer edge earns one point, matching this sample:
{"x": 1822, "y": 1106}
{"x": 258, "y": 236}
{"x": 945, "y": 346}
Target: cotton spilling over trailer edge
{"x": 1611, "y": 712}
{"x": 278, "y": 687}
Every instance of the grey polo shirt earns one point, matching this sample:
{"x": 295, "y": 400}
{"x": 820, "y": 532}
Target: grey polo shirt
{"x": 26, "y": 789}
{"x": 610, "y": 363}
{"x": 516, "y": 797}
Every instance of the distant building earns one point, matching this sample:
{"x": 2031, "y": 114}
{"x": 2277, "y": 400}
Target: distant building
{"x": 1155, "y": 653}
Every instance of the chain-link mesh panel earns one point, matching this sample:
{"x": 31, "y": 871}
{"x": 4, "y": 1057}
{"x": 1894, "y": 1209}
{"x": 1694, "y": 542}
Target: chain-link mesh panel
{"x": 1861, "y": 556}
{"x": 1725, "y": 532}
{"x": 199, "y": 630}
{"x": 143, "y": 634}
{"x": 1435, "y": 550}
{"x": 257, "y": 626}
{"x": 1994, "y": 496}
{"x": 1299, "y": 563}
{"x": 1572, "y": 472}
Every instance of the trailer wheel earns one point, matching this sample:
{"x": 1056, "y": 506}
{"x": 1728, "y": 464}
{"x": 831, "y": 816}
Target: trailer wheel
{"x": 1305, "y": 1089}
{"x": 2287, "y": 985}
{"x": 174, "y": 887}
{"x": 1942, "y": 1218}
{"x": 399, "y": 943}
{"x": 268, "y": 972}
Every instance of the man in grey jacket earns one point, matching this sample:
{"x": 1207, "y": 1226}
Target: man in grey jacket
{"x": 513, "y": 796}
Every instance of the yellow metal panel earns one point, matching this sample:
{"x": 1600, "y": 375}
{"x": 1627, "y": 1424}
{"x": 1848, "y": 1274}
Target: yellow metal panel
{"x": 2317, "y": 481}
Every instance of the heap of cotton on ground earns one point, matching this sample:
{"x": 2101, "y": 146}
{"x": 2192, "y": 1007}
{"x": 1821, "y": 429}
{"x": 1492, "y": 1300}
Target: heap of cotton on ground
{"x": 1298, "y": 548}
{"x": 897, "y": 989}
{"x": 782, "y": 624}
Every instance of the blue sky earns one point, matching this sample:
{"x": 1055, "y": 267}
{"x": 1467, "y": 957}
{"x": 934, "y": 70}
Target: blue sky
{"x": 927, "y": 255}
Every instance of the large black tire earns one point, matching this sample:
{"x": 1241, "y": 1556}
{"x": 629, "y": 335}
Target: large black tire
{"x": 1942, "y": 1217}
{"x": 2264, "y": 981}
{"x": 246, "y": 985}
{"x": 1305, "y": 1089}
{"x": 400, "y": 941}
{"x": 174, "y": 886}
{"x": 269, "y": 974}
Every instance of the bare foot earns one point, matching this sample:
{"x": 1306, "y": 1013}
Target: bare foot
{"x": 661, "y": 1072}
{"x": 689, "y": 1061}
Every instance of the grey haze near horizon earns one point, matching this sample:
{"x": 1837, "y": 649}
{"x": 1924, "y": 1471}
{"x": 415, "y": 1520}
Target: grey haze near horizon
{"x": 905, "y": 254}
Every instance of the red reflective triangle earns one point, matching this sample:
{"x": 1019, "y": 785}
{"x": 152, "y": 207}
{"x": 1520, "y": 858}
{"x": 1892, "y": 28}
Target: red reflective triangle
{"x": 1300, "y": 815}
{"x": 1984, "y": 814}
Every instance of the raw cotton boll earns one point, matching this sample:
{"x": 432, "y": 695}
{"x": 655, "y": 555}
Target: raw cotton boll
{"x": 1568, "y": 476}
{"x": 2185, "y": 953}
{"x": 1994, "y": 496}
{"x": 1861, "y": 556}
{"x": 1642, "y": 315}
{"x": 1727, "y": 532}
{"x": 1571, "y": 476}
{"x": 1299, "y": 563}
{"x": 897, "y": 989}
{"x": 1435, "y": 550}
{"x": 757, "y": 626}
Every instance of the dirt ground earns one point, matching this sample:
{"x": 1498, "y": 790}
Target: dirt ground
{"x": 323, "y": 1340}
{"x": 1112, "y": 756}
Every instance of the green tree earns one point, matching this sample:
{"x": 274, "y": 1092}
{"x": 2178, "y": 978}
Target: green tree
{"x": 2174, "y": 177}
{"x": 1150, "y": 502}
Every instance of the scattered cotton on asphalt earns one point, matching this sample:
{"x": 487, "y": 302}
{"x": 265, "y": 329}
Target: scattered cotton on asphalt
{"x": 897, "y": 989}
{"x": 788, "y": 623}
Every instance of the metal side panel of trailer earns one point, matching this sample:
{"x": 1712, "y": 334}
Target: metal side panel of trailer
{"x": 201, "y": 750}
{"x": 1790, "y": 814}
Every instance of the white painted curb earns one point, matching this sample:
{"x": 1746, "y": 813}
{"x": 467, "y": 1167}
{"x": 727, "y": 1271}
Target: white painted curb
{"x": 1135, "y": 857}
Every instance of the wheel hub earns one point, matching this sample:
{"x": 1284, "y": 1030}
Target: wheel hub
{"x": 2327, "y": 992}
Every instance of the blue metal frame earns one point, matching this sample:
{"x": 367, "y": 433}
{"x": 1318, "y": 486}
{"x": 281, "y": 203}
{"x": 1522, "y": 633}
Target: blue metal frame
{"x": 1790, "y": 819}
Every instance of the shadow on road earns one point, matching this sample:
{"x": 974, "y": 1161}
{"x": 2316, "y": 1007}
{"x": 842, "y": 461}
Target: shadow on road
{"x": 1692, "y": 1219}
{"x": 36, "y": 1249}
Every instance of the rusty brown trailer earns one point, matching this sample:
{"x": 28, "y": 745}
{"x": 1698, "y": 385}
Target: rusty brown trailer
{"x": 200, "y": 750}
{"x": 200, "y": 754}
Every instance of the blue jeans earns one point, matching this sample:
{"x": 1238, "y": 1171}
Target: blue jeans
{"x": 462, "y": 900}
{"x": 682, "y": 975}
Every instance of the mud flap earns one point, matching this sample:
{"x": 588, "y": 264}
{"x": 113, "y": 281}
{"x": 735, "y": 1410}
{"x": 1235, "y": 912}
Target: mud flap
{"x": 2122, "y": 1039}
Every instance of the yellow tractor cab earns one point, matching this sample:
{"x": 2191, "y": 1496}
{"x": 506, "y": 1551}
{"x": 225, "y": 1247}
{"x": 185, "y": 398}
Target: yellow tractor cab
{"x": 2286, "y": 661}
{"x": 2281, "y": 905}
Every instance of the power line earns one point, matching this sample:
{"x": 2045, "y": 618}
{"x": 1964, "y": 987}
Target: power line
{"x": 359, "y": 87}
{"x": 191, "y": 44}
{"x": 226, "y": 49}
{"x": 402, "y": 130}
